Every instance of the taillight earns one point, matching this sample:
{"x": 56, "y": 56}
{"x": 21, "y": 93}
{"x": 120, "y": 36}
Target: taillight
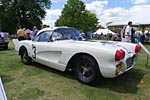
{"x": 137, "y": 48}
{"x": 120, "y": 54}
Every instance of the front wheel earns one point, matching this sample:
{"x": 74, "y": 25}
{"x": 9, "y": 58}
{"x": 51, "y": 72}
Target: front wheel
{"x": 24, "y": 57}
{"x": 86, "y": 70}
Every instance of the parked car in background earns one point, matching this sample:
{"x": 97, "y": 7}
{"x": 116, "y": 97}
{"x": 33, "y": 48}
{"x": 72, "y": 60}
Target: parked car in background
{"x": 4, "y": 42}
{"x": 64, "y": 48}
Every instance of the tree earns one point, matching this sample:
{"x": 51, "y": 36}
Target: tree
{"x": 75, "y": 15}
{"x": 14, "y": 13}
{"x": 90, "y": 22}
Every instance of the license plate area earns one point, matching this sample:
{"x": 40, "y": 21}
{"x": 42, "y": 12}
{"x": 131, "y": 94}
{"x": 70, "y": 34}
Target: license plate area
{"x": 129, "y": 62}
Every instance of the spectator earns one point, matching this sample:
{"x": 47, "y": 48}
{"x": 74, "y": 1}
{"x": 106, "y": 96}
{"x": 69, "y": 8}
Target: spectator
{"x": 123, "y": 33}
{"x": 2, "y": 35}
{"x": 25, "y": 33}
{"x": 89, "y": 35}
{"x": 34, "y": 32}
{"x": 128, "y": 32}
{"x": 142, "y": 38}
{"x": 132, "y": 35}
{"x": 21, "y": 34}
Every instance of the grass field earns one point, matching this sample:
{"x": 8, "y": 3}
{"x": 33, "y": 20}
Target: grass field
{"x": 38, "y": 82}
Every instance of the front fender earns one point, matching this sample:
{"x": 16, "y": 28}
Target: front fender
{"x": 28, "y": 47}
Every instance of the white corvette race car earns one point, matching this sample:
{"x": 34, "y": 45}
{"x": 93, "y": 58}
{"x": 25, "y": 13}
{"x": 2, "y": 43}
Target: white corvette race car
{"x": 64, "y": 48}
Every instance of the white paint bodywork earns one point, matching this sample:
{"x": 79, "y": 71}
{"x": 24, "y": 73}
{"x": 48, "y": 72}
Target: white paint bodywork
{"x": 56, "y": 54}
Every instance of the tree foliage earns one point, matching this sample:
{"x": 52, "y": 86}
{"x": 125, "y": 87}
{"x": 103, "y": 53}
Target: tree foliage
{"x": 25, "y": 13}
{"x": 75, "y": 15}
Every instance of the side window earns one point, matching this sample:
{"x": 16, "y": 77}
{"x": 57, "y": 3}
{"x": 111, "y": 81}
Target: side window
{"x": 68, "y": 36}
{"x": 57, "y": 36}
{"x": 42, "y": 37}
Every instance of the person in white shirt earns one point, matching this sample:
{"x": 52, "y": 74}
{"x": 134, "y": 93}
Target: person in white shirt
{"x": 2, "y": 35}
{"x": 128, "y": 32}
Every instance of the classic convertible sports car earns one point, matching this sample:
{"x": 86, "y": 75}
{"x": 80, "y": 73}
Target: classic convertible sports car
{"x": 64, "y": 48}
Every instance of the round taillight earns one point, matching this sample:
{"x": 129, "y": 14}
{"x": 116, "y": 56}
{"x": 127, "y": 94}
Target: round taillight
{"x": 120, "y": 54}
{"x": 137, "y": 48}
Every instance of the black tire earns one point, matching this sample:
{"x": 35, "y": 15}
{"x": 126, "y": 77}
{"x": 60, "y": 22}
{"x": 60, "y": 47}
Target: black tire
{"x": 86, "y": 70}
{"x": 24, "y": 56}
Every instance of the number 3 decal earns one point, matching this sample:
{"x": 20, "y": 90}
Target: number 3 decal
{"x": 34, "y": 51}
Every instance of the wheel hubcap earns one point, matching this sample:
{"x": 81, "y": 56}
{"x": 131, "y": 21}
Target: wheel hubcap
{"x": 24, "y": 56}
{"x": 86, "y": 70}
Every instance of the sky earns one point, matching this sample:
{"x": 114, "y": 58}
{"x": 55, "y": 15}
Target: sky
{"x": 115, "y": 11}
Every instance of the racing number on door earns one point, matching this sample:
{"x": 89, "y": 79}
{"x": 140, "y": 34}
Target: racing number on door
{"x": 34, "y": 51}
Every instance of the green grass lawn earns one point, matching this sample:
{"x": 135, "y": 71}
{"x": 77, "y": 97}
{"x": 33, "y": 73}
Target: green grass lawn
{"x": 38, "y": 82}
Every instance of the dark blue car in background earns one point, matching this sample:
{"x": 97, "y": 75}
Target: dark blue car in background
{"x": 3, "y": 43}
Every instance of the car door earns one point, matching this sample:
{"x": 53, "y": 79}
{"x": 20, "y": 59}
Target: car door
{"x": 47, "y": 51}
{"x": 40, "y": 48}
{"x": 55, "y": 51}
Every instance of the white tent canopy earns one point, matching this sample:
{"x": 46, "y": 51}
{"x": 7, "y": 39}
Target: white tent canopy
{"x": 103, "y": 31}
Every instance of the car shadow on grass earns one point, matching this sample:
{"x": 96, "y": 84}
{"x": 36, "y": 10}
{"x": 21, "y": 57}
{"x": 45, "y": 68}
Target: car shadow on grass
{"x": 68, "y": 74}
{"x": 125, "y": 83}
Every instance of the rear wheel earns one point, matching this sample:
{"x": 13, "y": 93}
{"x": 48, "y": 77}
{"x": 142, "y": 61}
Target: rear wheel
{"x": 86, "y": 70}
{"x": 24, "y": 56}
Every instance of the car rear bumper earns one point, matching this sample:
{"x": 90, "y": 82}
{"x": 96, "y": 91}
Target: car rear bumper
{"x": 120, "y": 68}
